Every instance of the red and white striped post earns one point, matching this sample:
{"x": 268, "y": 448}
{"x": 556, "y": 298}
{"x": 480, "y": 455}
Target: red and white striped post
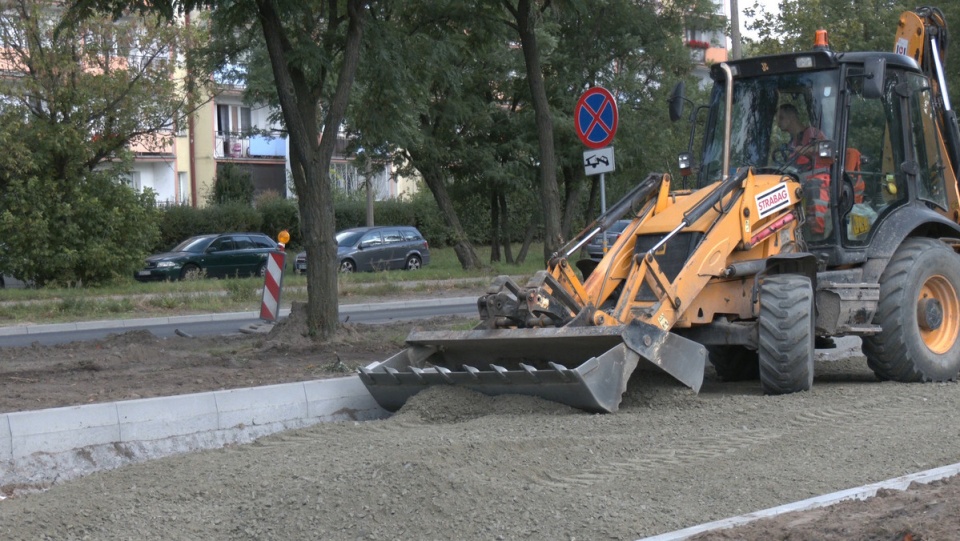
{"x": 273, "y": 280}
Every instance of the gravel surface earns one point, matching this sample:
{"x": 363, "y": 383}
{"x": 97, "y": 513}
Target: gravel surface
{"x": 453, "y": 464}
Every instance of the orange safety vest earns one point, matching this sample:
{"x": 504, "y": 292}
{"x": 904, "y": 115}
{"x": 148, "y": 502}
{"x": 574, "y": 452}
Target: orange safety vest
{"x": 801, "y": 142}
{"x": 817, "y": 184}
{"x": 852, "y": 165}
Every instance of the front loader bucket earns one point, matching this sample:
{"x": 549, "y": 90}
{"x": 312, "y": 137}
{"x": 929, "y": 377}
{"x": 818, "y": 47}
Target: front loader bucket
{"x": 535, "y": 362}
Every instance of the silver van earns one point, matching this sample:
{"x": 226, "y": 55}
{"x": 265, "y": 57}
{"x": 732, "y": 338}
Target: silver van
{"x": 382, "y": 247}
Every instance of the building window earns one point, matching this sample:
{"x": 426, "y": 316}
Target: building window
{"x": 183, "y": 188}
{"x": 133, "y": 179}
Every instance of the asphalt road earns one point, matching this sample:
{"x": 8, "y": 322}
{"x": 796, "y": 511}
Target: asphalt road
{"x": 225, "y": 324}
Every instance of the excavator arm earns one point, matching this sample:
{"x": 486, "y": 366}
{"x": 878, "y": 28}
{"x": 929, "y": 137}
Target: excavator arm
{"x": 922, "y": 35}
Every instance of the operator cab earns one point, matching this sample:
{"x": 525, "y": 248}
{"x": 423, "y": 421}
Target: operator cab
{"x": 860, "y": 137}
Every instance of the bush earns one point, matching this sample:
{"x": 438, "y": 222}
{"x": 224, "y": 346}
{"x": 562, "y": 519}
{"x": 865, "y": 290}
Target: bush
{"x": 232, "y": 184}
{"x": 278, "y": 214}
{"x": 77, "y": 232}
{"x": 232, "y": 216}
{"x": 178, "y": 223}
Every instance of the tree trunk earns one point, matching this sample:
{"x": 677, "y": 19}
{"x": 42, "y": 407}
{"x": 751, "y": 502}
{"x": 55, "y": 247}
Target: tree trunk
{"x": 310, "y": 162}
{"x": 494, "y": 226}
{"x": 593, "y": 198}
{"x": 368, "y": 186}
{"x": 527, "y": 240}
{"x": 574, "y": 183}
{"x": 549, "y": 192}
{"x": 505, "y": 227}
{"x": 435, "y": 179}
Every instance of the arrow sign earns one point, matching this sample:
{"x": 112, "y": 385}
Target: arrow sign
{"x": 596, "y": 117}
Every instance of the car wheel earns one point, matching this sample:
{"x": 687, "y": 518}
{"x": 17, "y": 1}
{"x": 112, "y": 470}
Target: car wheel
{"x": 190, "y": 272}
{"x": 347, "y": 266}
{"x": 413, "y": 263}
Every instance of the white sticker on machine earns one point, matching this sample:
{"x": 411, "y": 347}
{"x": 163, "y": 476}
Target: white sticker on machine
{"x": 773, "y": 200}
{"x": 901, "y": 46}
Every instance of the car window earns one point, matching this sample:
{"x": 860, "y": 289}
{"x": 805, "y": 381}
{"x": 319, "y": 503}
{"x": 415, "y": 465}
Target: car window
{"x": 392, "y": 235}
{"x": 412, "y": 234}
{"x": 371, "y": 239}
{"x": 263, "y": 242}
{"x": 222, "y": 244}
{"x": 243, "y": 242}
{"x": 193, "y": 244}
{"x": 348, "y": 238}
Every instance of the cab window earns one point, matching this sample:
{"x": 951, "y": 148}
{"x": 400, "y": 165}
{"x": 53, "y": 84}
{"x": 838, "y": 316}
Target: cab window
{"x": 872, "y": 157}
{"x": 930, "y": 182}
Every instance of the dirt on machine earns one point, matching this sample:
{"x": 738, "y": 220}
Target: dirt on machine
{"x": 826, "y": 204}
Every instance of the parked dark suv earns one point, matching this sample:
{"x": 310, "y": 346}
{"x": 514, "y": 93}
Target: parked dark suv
{"x": 382, "y": 247}
{"x": 217, "y": 256}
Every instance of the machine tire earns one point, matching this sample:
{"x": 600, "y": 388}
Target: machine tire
{"x": 262, "y": 270}
{"x": 921, "y": 272}
{"x": 786, "y": 334}
{"x": 347, "y": 265}
{"x": 413, "y": 263}
{"x": 190, "y": 272}
{"x": 734, "y": 363}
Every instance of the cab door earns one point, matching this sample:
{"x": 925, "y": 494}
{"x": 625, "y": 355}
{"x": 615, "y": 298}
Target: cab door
{"x": 871, "y": 163}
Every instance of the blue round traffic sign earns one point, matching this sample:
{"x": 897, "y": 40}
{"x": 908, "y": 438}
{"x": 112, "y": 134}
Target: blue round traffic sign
{"x": 596, "y": 117}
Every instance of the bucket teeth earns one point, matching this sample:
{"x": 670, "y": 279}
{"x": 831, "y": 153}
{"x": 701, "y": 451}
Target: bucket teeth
{"x": 584, "y": 367}
{"x": 418, "y": 373}
{"x": 394, "y": 373}
{"x": 472, "y": 371}
{"x": 445, "y": 374}
{"x": 562, "y": 370}
{"x": 531, "y": 371}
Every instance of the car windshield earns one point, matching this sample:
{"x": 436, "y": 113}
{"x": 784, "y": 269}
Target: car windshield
{"x": 755, "y": 135}
{"x": 193, "y": 244}
{"x": 349, "y": 238}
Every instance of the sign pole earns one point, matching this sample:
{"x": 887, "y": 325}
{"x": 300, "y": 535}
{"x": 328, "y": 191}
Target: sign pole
{"x": 603, "y": 206}
{"x": 596, "y": 120}
{"x": 603, "y": 195}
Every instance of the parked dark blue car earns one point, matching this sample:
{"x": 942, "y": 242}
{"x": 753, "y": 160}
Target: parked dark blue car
{"x": 219, "y": 255}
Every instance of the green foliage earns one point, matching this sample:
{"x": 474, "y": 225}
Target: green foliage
{"x": 234, "y": 216}
{"x": 852, "y": 25}
{"x": 67, "y": 215}
{"x": 279, "y": 214}
{"x": 232, "y": 184}
{"x": 178, "y": 223}
{"x": 75, "y": 231}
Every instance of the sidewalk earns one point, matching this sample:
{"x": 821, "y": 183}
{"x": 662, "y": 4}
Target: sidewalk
{"x": 16, "y": 330}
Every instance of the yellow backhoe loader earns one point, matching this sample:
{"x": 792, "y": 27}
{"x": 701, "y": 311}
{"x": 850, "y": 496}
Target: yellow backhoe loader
{"x": 826, "y": 205}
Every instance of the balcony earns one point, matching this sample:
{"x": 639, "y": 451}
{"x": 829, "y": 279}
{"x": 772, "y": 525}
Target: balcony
{"x": 239, "y": 146}
{"x": 153, "y": 144}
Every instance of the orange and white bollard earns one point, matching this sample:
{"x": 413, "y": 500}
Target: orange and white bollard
{"x": 273, "y": 280}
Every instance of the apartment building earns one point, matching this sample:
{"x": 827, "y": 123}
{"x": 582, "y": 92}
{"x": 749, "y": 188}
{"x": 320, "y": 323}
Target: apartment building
{"x": 228, "y": 130}
{"x": 707, "y": 47}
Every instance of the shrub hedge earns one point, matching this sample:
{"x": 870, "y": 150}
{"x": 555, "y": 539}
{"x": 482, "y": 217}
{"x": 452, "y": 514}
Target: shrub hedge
{"x": 273, "y": 213}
